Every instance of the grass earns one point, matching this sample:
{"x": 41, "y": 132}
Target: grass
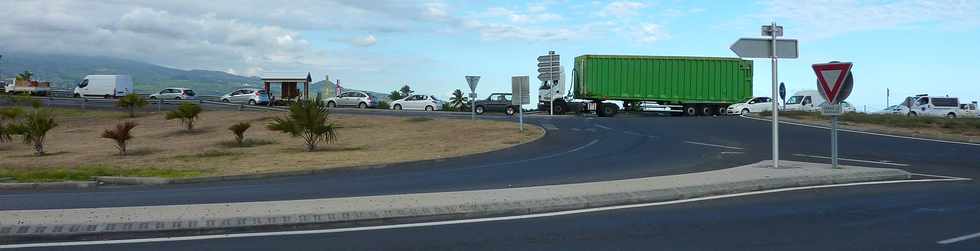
{"x": 247, "y": 143}
{"x": 84, "y": 173}
{"x": 207, "y": 154}
{"x": 418, "y": 119}
{"x": 959, "y": 125}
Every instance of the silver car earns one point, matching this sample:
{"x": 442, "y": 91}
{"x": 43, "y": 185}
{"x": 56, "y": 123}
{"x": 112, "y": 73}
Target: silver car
{"x": 250, "y": 96}
{"x": 174, "y": 93}
{"x": 353, "y": 99}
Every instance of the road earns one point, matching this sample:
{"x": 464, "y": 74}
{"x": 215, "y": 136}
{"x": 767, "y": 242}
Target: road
{"x": 580, "y": 149}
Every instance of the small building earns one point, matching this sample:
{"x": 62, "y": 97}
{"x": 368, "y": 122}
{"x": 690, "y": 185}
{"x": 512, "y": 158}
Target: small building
{"x": 288, "y": 84}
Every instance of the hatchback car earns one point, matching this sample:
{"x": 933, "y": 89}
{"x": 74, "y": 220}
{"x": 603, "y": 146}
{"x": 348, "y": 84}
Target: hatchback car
{"x": 756, "y": 104}
{"x": 497, "y": 102}
{"x": 353, "y": 99}
{"x": 174, "y": 93}
{"x": 250, "y": 96}
{"x": 417, "y": 102}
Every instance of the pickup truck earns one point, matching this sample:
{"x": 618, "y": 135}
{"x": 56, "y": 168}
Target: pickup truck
{"x": 15, "y": 86}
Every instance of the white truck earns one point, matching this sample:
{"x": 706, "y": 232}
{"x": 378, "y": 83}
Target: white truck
{"x": 31, "y": 87}
{"x": 806, "y": 100}
{"x": 934, "y": 106}
{"x": 106, "y": 86}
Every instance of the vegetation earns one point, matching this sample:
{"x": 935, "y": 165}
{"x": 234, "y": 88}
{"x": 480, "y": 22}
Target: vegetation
{"x": 458, "y": 102}
{"x": 401, "y": 93}
{"x": 384, "y": 105}
{"x": 33, "y": 128}
{"x": 239, "y": 130}
{"x": 120, "y": 135}
{"x": 900, "y": 121}
{"x": 418, "y": 119}
{"x": 8, "y": 117}
{"x": 247, "y": 143}
{"x": 187, "y": 113}
{"x": 131, "y": 102}
{"x": 84, "y": 173}
{"x": 307, "y": 119}
{"x": 26, "y": 75}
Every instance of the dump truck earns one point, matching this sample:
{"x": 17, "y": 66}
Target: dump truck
{"x": 690, "y": 86}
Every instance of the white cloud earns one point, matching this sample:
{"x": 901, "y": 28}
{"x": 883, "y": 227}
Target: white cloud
{"x": 622, "y": 9}
{"x": 364, "y": 41}
{"x": 829, "y": 18}
{"x": 497, "y": 31}
{"x": 649, "y": 33}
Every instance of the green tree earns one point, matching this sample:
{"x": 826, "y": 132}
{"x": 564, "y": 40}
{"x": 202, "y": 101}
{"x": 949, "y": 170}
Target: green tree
{"x": 34, "y": 127}
{"x": 121, "y": 134}
{"x": 239, "y": 130}
{"x": 8, "y": 117}
{"x": 26, "y": 75}
{"x": 307, "y": 119}
{"x": 187, "y": 113}
{"x": 459, "y": 102}
{"x": 406, "y": 91}
{"x": 395, "y": 95}
{"x": 131, "y": 102}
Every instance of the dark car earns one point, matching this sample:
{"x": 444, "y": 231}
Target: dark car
{"x": 497, "y": 102}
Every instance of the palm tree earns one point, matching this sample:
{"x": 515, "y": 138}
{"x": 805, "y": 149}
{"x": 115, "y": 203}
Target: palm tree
{"x": 34, "y": 127}
{"x": 26, "y": 75}
{"x": 187, "y": 113}
{"x": 458, "y": 102}
{"x": 307, "y": 119}
{"x": 131, "y": 102}
{"x": 120, "y": 134}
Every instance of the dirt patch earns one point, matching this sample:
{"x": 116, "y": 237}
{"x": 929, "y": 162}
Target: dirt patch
{"x": 159, "y": 144}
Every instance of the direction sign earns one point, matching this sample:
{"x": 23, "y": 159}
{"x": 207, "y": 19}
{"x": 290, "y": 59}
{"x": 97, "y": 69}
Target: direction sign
{"x": 549, "y": 58}
{"x": 549, "y": 66}
{"x": 762, "y": 48}
{"x": 519, "y": 87}
{"x": 549, "y": 69}
{"x": 834, "y": 81}
{"x": 472, "y": 81}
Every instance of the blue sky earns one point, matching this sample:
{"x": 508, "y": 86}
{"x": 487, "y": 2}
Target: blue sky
{"x": 910, "y": 46}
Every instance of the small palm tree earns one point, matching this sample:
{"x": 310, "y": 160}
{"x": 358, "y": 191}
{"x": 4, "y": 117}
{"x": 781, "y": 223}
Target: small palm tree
{"x": 307, "y": 119}
{"x": 7, "y": 118}
{"x": 239, "y": 131}
{"x": 34, "y": 127}
{"x": 187, "y": 113}
{"x": 26, "y": 75}
{"x": 120, "y": 134}
{"x": 131, "y": 102}
{"x": 458, "y": 102}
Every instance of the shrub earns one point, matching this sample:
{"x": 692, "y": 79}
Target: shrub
{"x": 239, "y": 131}
{"x": 384, "y": 105}
{"x": 120, "y": 134}
{"x": 187, "y": 113}
{"x": 131, "y": 102}
{"x": 307, "y": 119}
{"x": 34, "y": 127}
{"x": 7, "y": 118}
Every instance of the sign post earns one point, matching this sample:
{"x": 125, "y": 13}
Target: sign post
{"x": 521, "y": 96}
{"x": 835, "y": 83}
{"x": 771, "y": 48}
{"x": 472, "y": 81}
{"x": 549, "y": 68}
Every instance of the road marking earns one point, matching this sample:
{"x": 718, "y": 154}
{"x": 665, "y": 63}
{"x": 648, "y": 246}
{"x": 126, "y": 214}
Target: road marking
{"x": 633, "y": 133}
{"x": 713, "y": 145}
{"x": 882, "y": 162}
{"x": 454, "y": 222}
{"x": 731, "y": 152}
{"x": 958, "y": 239}
{"x": 549, "y": 126}
{"x": 870, "y": 133}
{"x": 941, "y": 176}
{"x": 603, "y": 127}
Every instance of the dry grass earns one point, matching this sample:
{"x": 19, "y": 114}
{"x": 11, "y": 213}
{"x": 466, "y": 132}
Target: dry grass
{"x": 159, "y": 144}
{"x": 960, "y": 129}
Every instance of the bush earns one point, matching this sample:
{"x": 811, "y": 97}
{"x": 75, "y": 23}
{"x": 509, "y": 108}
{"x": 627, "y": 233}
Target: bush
{"x": 34, "y": 127}
{"x": 307, "y": 119}
{"x": 120, "y": 135}
{"x": 131, "y": 102}
{"x": 384, "y": 105}
{"x": 187, "y": 113}
{"x": 239, "y": 131}
{"x": 8, "y": 117}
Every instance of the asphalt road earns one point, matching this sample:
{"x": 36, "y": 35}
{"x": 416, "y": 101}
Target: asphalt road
{"x": 578, "y": 149}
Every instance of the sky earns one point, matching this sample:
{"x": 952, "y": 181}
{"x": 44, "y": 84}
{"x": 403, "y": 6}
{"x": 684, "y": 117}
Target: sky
{"x": 908, "y": 46}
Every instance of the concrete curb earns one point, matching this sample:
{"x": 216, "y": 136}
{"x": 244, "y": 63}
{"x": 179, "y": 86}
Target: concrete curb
{"x": 60, "y": 223}
{"x": 48, "y": 185}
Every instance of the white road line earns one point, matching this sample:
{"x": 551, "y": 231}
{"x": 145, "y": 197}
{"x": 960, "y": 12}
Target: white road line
{"x": 549, "y": 126}
{"x": 883, "y": 162}
{"x": 941, "y": 176}
{"x": 731, "y": 152}
{"x": 870, "y": 133}
{"x": 603, "y": 127}
{"x": 713, "y": 145}
{"x": 958, "y": 239}
{"x": 453, "y": 222}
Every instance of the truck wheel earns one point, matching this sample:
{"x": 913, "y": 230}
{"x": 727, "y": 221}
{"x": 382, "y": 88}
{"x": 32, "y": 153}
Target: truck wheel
{"x": 707, "y": 110}
{"x": 559, "y": 108}
{"x": 510, "y": 110}
{"x": 479, "y": 110}
{"x": 690, "y": 111}
{"x": 606, "y": 110}
{"x": 722, "y": 110}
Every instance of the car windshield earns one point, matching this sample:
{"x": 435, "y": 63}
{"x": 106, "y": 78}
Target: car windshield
{"x": 794, "y": 100}
{"x": 435, "y": 98}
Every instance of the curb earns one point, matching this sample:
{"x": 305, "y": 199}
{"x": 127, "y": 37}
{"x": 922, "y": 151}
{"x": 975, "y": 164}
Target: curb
{"x": 49, "y": 185}
{"x": 332, "y": 212}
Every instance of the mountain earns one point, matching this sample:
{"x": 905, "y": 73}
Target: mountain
{"x": 65, "y": 71}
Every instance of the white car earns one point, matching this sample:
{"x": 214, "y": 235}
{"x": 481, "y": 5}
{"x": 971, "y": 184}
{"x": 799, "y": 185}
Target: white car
{"x": 417, "y": 102}
{"x": 174, "y": 93}
{"x": 357, "y": 99}
{"x": 894, "y": 110}
{"x": 752, "y": 105}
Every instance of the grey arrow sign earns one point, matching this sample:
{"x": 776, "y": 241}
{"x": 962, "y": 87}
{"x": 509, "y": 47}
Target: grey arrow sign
{"x": 762, "y": 48}
{"x": 549, "y": 69}
{"x": 548, "y": 76}
{"x": 549, "y": 58}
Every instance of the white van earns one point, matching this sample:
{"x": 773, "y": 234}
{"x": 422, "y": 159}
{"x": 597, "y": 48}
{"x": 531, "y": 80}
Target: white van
{"x": 807, "y": 101}
{"x": 107, "y": 86}
{"x": 935, "y": 106}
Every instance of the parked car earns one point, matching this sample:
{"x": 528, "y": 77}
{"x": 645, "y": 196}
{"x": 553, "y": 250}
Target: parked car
{"x": 935, "y": 106}
{"x": 497, "y": 102}
{"x": 252, "y": 96}
{"x": 752, "y": 105}
{"x": 969, "y": 110}
{"x": 894, "y": 110}
{"x": 107, "y": 86}
{"x": 174, "y": 93}
{"x": 357, "y": 99}
{"x": 806, "y": 101}
{"x": 417, "y": 102}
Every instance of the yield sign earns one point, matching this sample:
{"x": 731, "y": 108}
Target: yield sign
{"x": 472, "y": 81}
{"x": 830, "y": 79}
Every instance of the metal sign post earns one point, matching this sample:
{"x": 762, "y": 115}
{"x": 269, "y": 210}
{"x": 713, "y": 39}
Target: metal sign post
{"x": 472, "y": 81}
{"x": 521, "y": 95}
{"x": 835, "y": 82}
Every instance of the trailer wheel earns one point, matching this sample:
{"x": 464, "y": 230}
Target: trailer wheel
{"x": 560, "y": 107}
{"x": 690, "y": 111}
{"x": 707, "y": 110}
{"x": 722, "y": 110}
{"x": 606, "y": 110}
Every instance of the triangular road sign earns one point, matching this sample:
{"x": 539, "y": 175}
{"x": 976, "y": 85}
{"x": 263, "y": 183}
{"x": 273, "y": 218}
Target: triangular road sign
{"x": 830, "y": 79}
{"x": 472, "y": 81}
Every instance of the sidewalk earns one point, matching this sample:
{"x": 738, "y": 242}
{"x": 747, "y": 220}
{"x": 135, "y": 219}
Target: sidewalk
{"x": 17, "y": 224}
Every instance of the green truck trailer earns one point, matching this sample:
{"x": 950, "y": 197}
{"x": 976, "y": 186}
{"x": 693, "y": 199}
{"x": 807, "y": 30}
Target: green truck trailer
{"x": 686, "y": 85}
